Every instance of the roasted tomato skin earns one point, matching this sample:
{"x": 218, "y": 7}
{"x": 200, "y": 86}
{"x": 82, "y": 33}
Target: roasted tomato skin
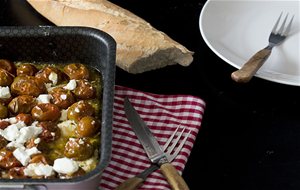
{"x": 26, "y": 69}
{"x": 26, "y": 118}
{"x": 44, "y": 74}
{"x": 45, "y": 112}
{"x": 84, "y": 90}
{"x": 62, "y": 98}
{"x": 8, "y": 66}
{"x": 6, "y": 78}
{"x": 7, "y": 159}
{"x": 78, "y": 149}
{"x": 3, "y": 111}
{"x": 80, "y": 109}
{"x": 27, "y": 85}
{"x": 87, "y": 126}
{"x": 76, "y": 71}
{"x": 22, "y": 104}
{"x": 50, "y": 132}
{"x": 17, "y": 173}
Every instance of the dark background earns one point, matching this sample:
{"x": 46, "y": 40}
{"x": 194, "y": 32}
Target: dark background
{"x": 249, "y": 136}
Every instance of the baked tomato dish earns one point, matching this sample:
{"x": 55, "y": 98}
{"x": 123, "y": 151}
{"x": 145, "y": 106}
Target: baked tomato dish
{"x": 50, "y": 119}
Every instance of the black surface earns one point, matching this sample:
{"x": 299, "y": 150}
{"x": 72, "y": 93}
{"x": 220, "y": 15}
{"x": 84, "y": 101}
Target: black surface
{"x": 249, "y": 135}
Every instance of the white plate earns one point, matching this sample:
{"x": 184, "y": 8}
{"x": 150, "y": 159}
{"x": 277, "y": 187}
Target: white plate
{"x": 236, "y": 29}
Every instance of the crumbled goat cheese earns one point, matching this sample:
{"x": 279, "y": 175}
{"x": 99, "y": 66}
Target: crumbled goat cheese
{"x": 71, "y": 85}
{"x": 44, "y": 98}
{"x": 63, "y": 115}
{"x": 63, "y": 96}
{"x": 53, "y": 78}
{"x": 67, "y": 128}
{"x": 65, "y": 166}
{"x": 4, "y": 92}
{"x": 38, "y": 169}
{"x": 10, "y": 133}
{"x": 23, "y": 155}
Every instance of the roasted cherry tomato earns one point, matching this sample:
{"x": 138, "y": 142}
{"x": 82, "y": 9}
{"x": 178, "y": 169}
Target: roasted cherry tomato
{"x": 26, "y": 69}
{"x": 78, "y": 149}
{"x": 50, "y": 74}
{"x": 45, "y": 112}
{"x": 4, "y": 124}
{"x": 50, "y": 131}
{"x": 17, "y": 173}
{"x": 84, "y": 90}
{"x": 22, "y": 104}
{"x": 8, "y": 66}
{"x": 26, "y": 118}
{"x": 62, "y": 98}
{"x": 3, "y": 111}
{"x": 28, "y": 85}
{"x": 7, "y": 159}
{"x": 87, "y": 126}
{"x": 5, "y": 78}
{"x": 3, "y": 142}
{"x": 76, "y": 71}
{"x": 80, "y": 109}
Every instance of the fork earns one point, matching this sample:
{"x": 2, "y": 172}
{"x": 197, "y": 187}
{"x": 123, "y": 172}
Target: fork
{"x": 171, "y": 149}
{"x": 248, "y": 70}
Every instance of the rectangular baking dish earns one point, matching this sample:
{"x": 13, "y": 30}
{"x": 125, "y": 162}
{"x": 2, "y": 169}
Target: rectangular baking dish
{"x": 63, "y": 45}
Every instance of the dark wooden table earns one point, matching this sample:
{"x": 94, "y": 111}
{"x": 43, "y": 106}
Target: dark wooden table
{"x": 249, "y": 138}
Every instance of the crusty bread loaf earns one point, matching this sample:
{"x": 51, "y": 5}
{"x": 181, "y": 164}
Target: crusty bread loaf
{"x": 140, "y": 47}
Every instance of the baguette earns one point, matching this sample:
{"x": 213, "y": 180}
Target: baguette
{"x": 140, "y": 47}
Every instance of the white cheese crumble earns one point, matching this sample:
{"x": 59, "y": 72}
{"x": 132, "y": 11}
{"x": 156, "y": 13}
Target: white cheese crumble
{"x": 27, "y": 133}
{"x": 4, "y": 92}
{"x": 44, "y": 98}
{"x": 15, "y": 144}
{"x": 38, "y": 169}
{"x": 11, "y": 120}
{"x": 23, "y": 155}
{"x": 71, "y": 85}
{"x": 63, "y": 96}
{"x": 67, "y": 128}
{"x": 48, "y": 86}
{"x": 10, "y": 133}
{"x": 65, "y": 166}
{"x": 63, "y": 115}
{"x": 37, "y": 140}
{"x": 20, "y": 133}
{"x": 53, "y": 78}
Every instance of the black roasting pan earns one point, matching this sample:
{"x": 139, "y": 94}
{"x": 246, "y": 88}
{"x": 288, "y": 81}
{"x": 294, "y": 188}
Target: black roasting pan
{"x": 62, "y": 45}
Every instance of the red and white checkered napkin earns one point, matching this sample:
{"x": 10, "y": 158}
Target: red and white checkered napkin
{"x": 162, "y": 114}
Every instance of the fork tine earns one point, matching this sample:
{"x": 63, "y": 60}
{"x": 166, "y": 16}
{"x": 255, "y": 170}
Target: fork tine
{"x": 171, "y": 148}
{"x": 180, "y": 146}
{"x": 282, "y": 25}
{"x": 170, "y": 139}
{"x": 276, "y": 24}
{"x": 288, "y": 28}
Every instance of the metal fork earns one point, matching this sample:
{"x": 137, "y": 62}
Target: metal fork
{"x": 276, "y": 37}
{"x": 171, "y": 148}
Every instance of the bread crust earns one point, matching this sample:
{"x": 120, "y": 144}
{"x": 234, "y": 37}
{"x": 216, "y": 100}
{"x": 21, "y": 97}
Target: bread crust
{"x": 140, "y": 47}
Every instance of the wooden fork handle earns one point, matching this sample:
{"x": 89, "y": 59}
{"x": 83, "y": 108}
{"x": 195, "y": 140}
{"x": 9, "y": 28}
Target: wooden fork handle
{"x": 173, "y": 177}
{"x": 131, "y": 184}
{"x": 249, "y": 69}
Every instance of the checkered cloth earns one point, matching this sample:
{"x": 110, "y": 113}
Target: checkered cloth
{"x": 162, "y": 114}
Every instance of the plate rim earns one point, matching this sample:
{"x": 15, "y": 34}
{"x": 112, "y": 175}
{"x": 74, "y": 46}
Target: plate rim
{"x": 262, "y": 75}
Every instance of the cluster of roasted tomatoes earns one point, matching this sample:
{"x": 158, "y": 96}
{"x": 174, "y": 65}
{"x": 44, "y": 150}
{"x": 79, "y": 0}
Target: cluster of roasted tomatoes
{"x": 49, "y": 94}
